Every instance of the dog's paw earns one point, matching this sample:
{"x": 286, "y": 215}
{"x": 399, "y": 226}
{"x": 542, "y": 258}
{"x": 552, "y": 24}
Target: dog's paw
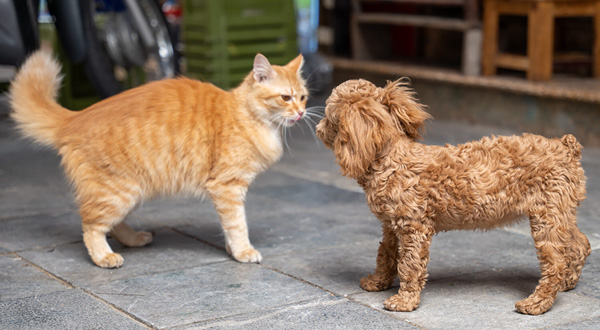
{"x": 404, "y": 301}
{"x": 534, "y": 305}
{"x": 111, "y": 260}
{"x": 374, "y": 283}
{"x": 248, "y": 255}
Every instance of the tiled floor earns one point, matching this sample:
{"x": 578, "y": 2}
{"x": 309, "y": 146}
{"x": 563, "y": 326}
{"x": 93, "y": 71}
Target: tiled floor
{"x": 317, "y": 238}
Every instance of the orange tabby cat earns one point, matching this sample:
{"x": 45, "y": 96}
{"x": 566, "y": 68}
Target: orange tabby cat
{"x": 162, "y": 138}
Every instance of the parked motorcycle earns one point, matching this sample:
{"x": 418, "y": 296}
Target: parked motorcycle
{"x": 104, "y": 36}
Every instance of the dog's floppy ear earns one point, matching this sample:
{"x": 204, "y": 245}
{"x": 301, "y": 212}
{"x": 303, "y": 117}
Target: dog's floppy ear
{"x": 363, "y": 130}
{"x": 408, "y": 114}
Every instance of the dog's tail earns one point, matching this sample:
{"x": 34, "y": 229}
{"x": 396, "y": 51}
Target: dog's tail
{"x": 574, "y": 147}
{"x": 33, "y": 99}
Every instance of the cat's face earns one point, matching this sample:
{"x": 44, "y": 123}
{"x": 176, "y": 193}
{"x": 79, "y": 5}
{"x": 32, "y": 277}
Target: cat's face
{"x": 281, "y": 93}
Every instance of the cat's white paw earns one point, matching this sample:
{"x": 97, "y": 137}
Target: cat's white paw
{"x": 111, "y": 260}
{"x": 249, "y": 255}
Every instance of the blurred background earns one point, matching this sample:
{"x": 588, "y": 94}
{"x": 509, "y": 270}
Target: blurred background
{"x": 483, "y": 67}
{"x": 530, "y": 65}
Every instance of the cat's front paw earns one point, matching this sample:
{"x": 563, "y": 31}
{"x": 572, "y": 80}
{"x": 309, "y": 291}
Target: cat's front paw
{"x": 248, "y": 255}
{"x": 111, "y": 260}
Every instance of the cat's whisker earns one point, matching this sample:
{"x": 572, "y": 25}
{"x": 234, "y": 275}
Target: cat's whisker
{"x": 301, "y": 129}
{"x": 316, "y": 111}
{"x": 314, "y": 115}
{"x": 312, "y": 130}
{"x": 308, "y": 119}
{"x": 287, "y": 146}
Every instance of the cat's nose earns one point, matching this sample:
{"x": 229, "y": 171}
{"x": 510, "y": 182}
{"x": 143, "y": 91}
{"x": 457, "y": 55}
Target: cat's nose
{"x": 299, "y": 115}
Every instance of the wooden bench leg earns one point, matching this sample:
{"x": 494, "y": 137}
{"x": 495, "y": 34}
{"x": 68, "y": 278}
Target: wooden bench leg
{"x": 540, "y": 41}
{"x": 596, "y": 54}
{"x": 471, "y": 61}
{"x": 359, "y": 49}
{"x": 490, "y": 38}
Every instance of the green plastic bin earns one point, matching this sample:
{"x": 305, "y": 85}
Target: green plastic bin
{"x": 223, "y": 36}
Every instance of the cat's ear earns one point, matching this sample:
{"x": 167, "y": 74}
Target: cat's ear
{"x": 263, "y": 70}
{"x": 296, "y": 64}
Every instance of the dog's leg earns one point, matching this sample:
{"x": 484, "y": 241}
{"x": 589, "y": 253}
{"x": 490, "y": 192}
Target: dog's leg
{"x": 414, "y": 240}
{"x": 578, "y": 250}
{"x": 387, "y": 261}
{"x": 551, "y": 238}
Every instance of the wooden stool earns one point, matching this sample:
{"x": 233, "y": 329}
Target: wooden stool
{"x": 469, "y": 25}
{"x": 540, "y": 34}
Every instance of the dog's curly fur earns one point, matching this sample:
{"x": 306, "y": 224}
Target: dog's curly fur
{"x": 417, "y": 190}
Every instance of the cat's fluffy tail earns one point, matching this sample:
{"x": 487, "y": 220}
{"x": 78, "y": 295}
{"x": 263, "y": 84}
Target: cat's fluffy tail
{"x": 33, "y": 99}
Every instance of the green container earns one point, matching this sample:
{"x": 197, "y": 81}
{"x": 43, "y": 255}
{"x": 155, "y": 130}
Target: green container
{"x": 223, "y": 36}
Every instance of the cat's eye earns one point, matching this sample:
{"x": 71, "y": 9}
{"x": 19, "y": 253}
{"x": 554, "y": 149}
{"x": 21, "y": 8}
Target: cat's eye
{"x": 286, "y": 98}
{"x": 302, "y": 98}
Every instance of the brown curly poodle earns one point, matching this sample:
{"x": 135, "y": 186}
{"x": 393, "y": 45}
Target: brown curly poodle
{"x": 417, "y": 190}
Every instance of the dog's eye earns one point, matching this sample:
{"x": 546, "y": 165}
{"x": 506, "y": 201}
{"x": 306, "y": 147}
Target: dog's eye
{"x": 286, "y": 98}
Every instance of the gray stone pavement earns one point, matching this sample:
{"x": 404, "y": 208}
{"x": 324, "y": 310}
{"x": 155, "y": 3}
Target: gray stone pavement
{"x": 317, "y": 238}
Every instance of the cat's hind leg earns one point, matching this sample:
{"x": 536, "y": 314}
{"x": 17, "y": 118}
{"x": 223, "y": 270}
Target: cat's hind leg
{"x": 103, "y": 206}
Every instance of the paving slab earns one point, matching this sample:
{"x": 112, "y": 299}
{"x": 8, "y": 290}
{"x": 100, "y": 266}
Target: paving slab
{"x": 453, "y": 251}
{"x": 173, "y": 212}
{"x": 288, "y": 232}
{"x": 305, "y": 194}
{"x": 330, "y": 313}
{"x": 31, "y": 232}
{"x": 485, "y": 300}
{"x": 19, "y": 279}
{"x": 317, "y": 237}
{"x": 206, "y": 292}
{"x": 339, "y": 269}
{"x": 168, "y": 251}
{"x": 70, "y": 309}
{"x": 23, "y": 201}
{"x": 22, "y": 162}
{"x": 591, "y": 324}
{"x": 304, "y": 219}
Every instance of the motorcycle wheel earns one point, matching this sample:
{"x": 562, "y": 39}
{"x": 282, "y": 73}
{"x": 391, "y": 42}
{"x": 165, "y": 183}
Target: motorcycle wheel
{"x": 104, "y": 65}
